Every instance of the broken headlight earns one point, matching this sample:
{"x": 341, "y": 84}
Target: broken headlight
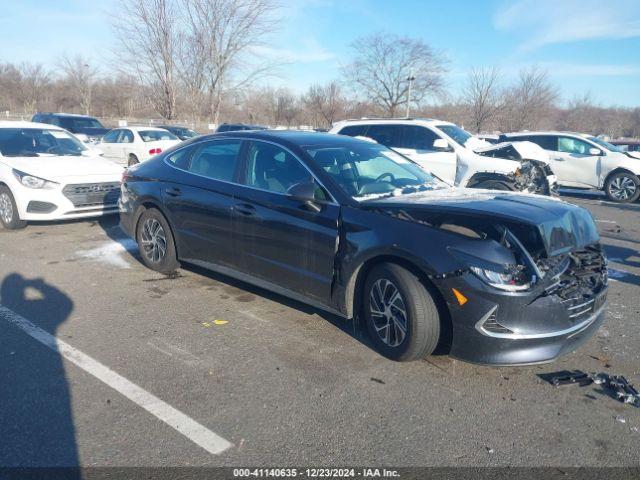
{"x": 510, "y": 280}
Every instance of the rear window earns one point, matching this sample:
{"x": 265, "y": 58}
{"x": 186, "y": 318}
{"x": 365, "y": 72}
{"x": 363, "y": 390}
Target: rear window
{"x": 156, "y": 135}
{"x": 77, "y": 123}
{"x": 354, "y": 130}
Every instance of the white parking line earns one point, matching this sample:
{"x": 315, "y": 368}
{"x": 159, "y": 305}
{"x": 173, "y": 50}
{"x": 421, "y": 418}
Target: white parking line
{"x": 188, "y": 427}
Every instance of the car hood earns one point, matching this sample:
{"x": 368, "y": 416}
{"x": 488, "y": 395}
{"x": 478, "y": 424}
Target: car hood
{"x": 634, "y": 155}
{"x": 60, "y": 168}
{"x": 562, "y": 227}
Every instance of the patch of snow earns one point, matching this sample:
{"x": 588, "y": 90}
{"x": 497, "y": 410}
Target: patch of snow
{"x": 111, "y": 252}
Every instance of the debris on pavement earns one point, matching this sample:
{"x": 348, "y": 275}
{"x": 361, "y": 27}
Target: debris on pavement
{"x": 615, "y": 386}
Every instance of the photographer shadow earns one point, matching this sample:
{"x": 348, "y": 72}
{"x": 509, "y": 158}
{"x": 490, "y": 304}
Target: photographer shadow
{"x": 36, "y": 421}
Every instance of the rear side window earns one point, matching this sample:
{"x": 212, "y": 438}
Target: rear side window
{"x": 548, "y": 142}
{"x": 387, "y": 135}
{"x": 216, "y": 160}
{"x": 180, "y": 159}
{"x": 354, "y": 130}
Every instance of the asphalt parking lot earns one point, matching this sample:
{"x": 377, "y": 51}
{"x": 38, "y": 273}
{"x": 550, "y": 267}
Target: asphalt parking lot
{"x": 282, "y": 383}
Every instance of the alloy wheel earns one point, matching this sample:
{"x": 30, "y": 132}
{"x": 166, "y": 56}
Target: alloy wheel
{"x": 622, "y": 188}
{"x": 388, "y": 312}
{"x": 6, "y": 209}
{"x": 154, "y": 240}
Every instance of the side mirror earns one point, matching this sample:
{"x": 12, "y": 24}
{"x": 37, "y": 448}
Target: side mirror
{"x": 304, "y": 192}
{"x": 595, "y": 151}
{"x": 440, "y": 144}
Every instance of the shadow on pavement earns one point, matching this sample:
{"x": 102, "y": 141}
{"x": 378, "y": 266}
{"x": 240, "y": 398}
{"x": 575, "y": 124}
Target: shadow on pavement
{"x": 36, "y": 422}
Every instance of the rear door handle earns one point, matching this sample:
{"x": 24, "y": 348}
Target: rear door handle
{"x": 244, "y": 209}
{"x": 174, "y": 191}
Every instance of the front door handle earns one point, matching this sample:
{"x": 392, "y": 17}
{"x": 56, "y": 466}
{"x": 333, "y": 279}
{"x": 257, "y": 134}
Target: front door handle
{"x": 245, "y": 209}
{"x": 174, "y": 192}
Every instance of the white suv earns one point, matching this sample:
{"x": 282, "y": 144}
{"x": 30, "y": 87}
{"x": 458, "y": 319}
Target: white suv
{"x": 46, "y": 173}
{"x": 584, "y": 161}
{"x": 456, "y": 156}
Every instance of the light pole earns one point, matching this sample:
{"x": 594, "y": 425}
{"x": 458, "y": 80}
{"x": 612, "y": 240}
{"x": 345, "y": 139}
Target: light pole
{"x": 410, "y": 79}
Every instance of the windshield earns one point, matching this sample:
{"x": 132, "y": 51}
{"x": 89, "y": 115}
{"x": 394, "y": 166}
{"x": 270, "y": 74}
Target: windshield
{"x": 185, "y": 132}
{"x": 79, "y": 123}
{"x": 606, "y": 145}
{"x": 365, "y": 170}
{"x": 155, "y": 135}
{"x": 457, "y": 134}
{"x": 35, "y": 142}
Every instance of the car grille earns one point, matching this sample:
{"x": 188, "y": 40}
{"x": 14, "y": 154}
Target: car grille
{"x": 581, "y": 277}
{"x": 92, "y": 194}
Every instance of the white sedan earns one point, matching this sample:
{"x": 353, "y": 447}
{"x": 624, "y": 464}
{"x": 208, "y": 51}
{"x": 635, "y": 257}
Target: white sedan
{"x": 48, "y": 174}
{"x": 131, "y": 145}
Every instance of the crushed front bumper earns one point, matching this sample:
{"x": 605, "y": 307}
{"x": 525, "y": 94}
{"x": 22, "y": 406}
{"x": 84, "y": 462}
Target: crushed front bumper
{"x": 501, "y": 328}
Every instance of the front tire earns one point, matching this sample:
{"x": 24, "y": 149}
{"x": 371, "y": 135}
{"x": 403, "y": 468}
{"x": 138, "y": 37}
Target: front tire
{"x": 401, "y": 315}
{"x": 156, "y": 243}
{"x": 9, "y": 217}
{"x": 622, "y": 187}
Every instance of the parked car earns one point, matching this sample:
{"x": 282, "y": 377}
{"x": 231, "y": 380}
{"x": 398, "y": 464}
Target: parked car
{"x": 234, "y": 127}
{"x": 630, "y": 146}
{"x": 86, "y": 128}
{"x": 183, "y": 133}
{"x": 48, "y": 174}
{"x": 132, "y": 145}
{"x": 583, "y": 161}
{"x": 447, "y": 151}
{"x": 356, "y": 229}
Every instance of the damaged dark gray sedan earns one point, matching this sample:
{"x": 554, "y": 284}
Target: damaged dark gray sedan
{"x": 356, "y": 229}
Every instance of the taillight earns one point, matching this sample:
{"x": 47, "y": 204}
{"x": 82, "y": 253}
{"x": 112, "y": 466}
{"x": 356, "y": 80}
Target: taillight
{"x": 155, "y": 151}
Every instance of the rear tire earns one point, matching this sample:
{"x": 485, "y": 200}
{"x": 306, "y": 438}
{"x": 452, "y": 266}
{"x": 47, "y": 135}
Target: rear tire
{"x": 133, "y": 160}
{"x": 401, "y": 315}
{"x": 622, "y": 187}
{"x": 493, "y": 185}
{"x": 9, "y": 216}
{"x": 156, "y": 243}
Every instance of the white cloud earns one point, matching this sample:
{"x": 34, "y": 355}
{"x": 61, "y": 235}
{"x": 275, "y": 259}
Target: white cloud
{"x": 310, "y": 52}
{"x": 555, "y": 21}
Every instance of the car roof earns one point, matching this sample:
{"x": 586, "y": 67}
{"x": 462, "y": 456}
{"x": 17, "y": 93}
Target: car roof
{"x": 299, "y": 138}
{"x": 77, "y": 115}
{"x": 547, "y": 132}
{"x": 24, "y": 124}
{"x": 432, "y": 122}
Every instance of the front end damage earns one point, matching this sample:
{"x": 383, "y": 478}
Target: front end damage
{"x": 521, "y": 293}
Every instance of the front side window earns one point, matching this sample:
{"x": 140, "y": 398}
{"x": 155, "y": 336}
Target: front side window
{"x": 216, "y": 160}
{"x": 272, "y": 168}
{"x": 362, "y": 169}
{"x": 111, "y": 137}
{"x": 418, "y": 138}
{"x": 36, "y": 142}
{"x": 573, "y": 146}
{"x": 156, "y": 135}
{"x": 456, "y": 133}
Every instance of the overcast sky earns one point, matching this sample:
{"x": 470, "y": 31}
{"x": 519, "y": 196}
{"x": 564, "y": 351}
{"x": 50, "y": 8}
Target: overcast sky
{"x": 588, "y": 45}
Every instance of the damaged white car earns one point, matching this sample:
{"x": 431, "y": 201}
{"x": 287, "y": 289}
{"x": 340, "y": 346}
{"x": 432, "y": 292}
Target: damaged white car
{"x": 457, "y": 157}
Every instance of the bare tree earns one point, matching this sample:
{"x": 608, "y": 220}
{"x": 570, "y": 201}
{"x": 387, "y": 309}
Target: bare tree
{"x": 81, "y": 75}
{"x": 324, "y": 102}
{"x": 32, "y": 84}
{"x": 383, "y": 64}
{"x": 528, "y": 100}
{"x": 217, "y": 52}
{"x": 148, "y": 43}
{"x": 483, "y": 96}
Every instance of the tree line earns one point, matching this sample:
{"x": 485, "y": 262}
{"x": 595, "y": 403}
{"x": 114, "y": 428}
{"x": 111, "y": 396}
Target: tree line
{"x": 200, "y": 62}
